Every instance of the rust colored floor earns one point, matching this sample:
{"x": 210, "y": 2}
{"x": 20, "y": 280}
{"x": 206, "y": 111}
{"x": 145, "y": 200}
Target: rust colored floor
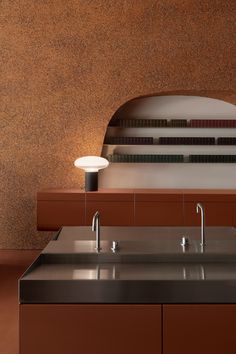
{"x": 12, "y": 264}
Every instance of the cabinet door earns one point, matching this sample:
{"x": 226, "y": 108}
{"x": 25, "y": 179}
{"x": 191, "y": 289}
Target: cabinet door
{"x": 115, "y": 209}
{"x": 234, "y": 215}
{"x": 216, "y": 213}
{"x": 90, "y": 329}
{"x": 158, "y": 209}
{"x": 51, "y": 215}
{"x": 199, "y": 329}
{"x": 158, "y": 214}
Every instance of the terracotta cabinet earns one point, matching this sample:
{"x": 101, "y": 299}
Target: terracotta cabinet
{"x": 219, "y": 209}
{"x": 234, "y": 215}
{"x": 199, "y": 329}
{"x": 131, "y": 329}
{"x": 158, "y": 209}
{"x": 114, "y": 209}
{"x": 56, "y": 209}
{"x": 90, "y": 329}
{"x": 216, "y": 214}
{"x": 141, "y": 207}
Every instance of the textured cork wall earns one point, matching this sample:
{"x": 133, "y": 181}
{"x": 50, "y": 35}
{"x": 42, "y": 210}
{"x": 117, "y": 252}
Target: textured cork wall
{"x": 66, "y": 66}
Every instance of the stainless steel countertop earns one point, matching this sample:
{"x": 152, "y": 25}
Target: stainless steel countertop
{"x": 134, "y": 271}
{"x": 152, "y": 269}
{"x": 72, "y": 233}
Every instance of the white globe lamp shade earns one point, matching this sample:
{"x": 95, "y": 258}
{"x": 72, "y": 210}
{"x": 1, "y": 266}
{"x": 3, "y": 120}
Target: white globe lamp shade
{"x": 91, "y": 165}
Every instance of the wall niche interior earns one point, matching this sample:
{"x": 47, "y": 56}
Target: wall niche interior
{"x": 173, "y": 141}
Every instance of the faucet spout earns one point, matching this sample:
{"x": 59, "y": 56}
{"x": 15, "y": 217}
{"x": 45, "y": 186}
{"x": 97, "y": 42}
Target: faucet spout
{"x": 96, "y": 228}
{"x": 199, "y": 207}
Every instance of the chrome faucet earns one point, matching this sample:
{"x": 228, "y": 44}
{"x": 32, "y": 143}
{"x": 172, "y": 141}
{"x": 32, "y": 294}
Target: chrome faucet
{"x": 199, "y": 207}
{"x": 96, "y": 228}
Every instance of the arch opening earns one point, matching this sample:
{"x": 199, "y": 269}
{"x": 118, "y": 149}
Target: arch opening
{"x": 171, "y": 141}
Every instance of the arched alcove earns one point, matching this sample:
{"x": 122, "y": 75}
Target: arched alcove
{"x": 171, "y": 141}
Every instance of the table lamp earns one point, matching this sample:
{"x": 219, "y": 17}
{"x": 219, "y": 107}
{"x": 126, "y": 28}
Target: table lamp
{"x": 91, "y": 165}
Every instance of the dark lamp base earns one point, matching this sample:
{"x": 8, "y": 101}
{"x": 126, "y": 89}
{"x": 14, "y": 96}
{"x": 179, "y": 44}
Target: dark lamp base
{"x": 91, "y": 181}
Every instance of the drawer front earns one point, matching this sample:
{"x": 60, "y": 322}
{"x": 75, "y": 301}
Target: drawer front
{"x": 216, "y": 214}
{"x": 158, "y": 213}
{"x": 199, "y": 329}
{"x": 112, "y": 213}
{"x": 234, "y": 215}
{"x": 159, "y": 196}
{"x": 51, "y": 215}
{"x": 109, "y": 197}
{"x": 90, "y": 329}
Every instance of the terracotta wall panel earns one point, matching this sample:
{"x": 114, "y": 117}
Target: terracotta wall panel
{"x": 68, "y": 65}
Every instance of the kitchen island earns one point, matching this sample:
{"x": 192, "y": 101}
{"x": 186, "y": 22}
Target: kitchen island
{"x": 151, "y": 295}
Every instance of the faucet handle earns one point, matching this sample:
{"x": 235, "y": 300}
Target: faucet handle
{"x": 199, "y": 206}
{"x": 184, "y": 241}
{"x": 95, "y": 217}
{"x": 115, "y": 246}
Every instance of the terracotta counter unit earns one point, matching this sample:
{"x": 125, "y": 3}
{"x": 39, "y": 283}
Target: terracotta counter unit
{"x": 159, "y": 207}
{"x": 147, "y": 297}
{"x": 115, "y": 209}
{"x": 57, "y": 207}
{"x": 134, "y": 207}
{"x": 219, "y": 207}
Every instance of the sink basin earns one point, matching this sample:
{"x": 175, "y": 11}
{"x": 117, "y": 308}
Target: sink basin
{"x": 141, "y": 271}
{"x": 139, "y": 251}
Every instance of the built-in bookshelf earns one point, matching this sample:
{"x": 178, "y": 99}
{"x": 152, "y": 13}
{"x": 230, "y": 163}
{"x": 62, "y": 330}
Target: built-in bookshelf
{"x": 171, "y": 141}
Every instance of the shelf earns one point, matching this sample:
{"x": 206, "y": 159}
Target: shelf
{"x": 170, "y": 141}
{"x": 173, "y": 163}
{"x": 171, "y": 158}
{"x": 168, "y": 127}
{"x": 171, "y": 146}
{"x": 174, "y": 145}
{"x": 175, "y": 123}
{"x": 169, "y": 149}
{"x": 113, "y": 132}
{"x": 138, "y": 158}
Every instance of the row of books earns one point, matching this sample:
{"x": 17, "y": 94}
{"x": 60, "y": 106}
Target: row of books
{"x": 145, "y": 158}
{"x": 213, "y": 158}
{"x": 212, "y": 123}
{"x": 197, "y": 141}
{"x": 128, "y": 140}
{"x": 226, "y": 141}
{"x": 141, "y": 123}
{"x": 162, "y": 123}
{"x": 171, "y": 158}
